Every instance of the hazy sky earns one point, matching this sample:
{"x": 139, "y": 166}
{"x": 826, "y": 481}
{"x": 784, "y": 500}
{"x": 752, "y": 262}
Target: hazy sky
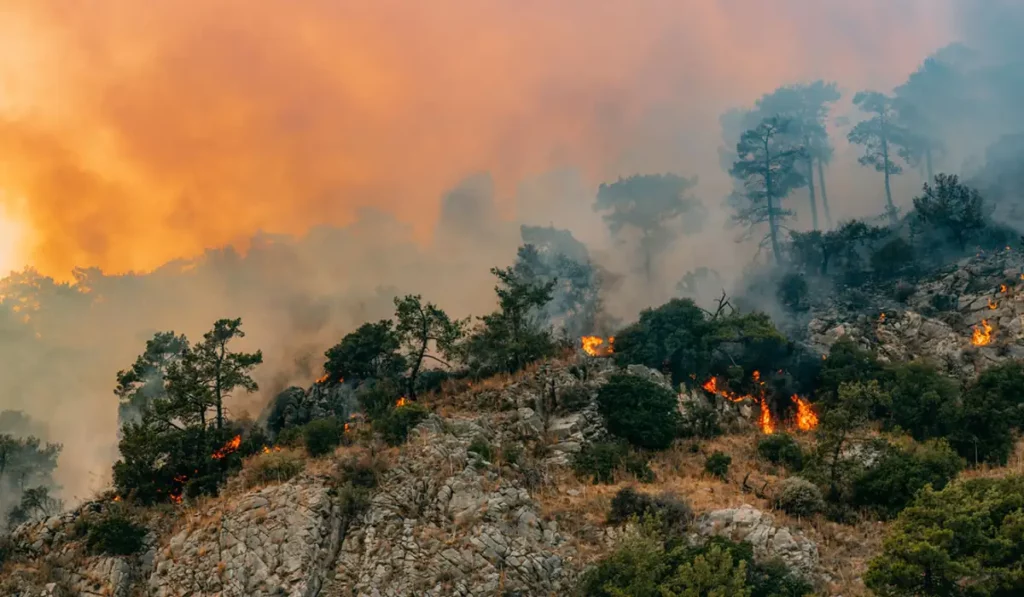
{"x": 136, "y": 131}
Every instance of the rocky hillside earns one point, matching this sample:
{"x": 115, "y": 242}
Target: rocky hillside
{"x": 482, "y": 499}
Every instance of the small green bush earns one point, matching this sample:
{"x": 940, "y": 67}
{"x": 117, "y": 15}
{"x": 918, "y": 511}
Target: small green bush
{"x": 511, "y": 454}
{"x": 481, "y": 448}
{"x": 674, "y": 514}
{"x": 272, "y": 467}
{"x": 799, "y": 497}
{"x": 717, "y": 464}
{"x": 700, "y": 420}
{"x": 289, "y": 437}
{"x": 574, "y": 398}
{"x": 640, "y": 411}
{"x": 394, "y": 426}
{"x": 599, "y": 461}
{"x": 901, "y": 472}
{"x": 114, "y": 535}
{"x": 322, "y": 436}
{"x": 781, "y": 449}
{"x": 364, "y": 472}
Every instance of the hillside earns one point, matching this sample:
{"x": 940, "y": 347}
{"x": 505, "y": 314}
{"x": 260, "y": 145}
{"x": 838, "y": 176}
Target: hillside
{"x": 487, "y": 496}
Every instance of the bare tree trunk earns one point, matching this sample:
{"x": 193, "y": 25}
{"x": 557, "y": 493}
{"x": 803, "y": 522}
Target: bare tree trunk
{"x": 810, "y": 189}
{"x": 824, "y": 194}
{"x": 889, "y": 206}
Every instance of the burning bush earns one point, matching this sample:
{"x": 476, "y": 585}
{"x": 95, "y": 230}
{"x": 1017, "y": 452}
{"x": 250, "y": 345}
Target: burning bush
{"x": 639, "y": 411}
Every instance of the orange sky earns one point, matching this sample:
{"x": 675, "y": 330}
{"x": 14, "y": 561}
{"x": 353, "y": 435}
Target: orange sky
{"x": 136, "y": 131}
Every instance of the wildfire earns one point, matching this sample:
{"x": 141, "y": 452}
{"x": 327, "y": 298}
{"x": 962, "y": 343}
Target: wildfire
{"x": 806, "y": 419}
{"x": 595, "y": 346}
{"x": 766, "y": 423}
{"x": 982, "y": 336}
{"x": 176, "y": 494}
{"x": 267, "y": 450}
{"x": 228, "y": 448}
{"x": 1002, "y": 288}
{"x": 402, "y": 401}
{"x": 992, "y": 305}
{"x": 881, "y": 318}
{"x": 711, "y": 385}
{"x": 347, "y": 427}
{"x": 323, "y": 378}
{"x": 117, "y": 498}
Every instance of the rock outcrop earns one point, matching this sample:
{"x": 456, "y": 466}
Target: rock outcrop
{"x": 279, "y": 540}
{"x": 768, "y": 540}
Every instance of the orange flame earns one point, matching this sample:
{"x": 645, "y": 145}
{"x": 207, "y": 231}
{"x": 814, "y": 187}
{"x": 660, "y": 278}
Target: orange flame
{"x": 228, "y": 448}
{"x": 347, "y": 427}
{"x": 323, "y": 378}
{"x": 992, "y": 305}
{"x": 766, "y": 423}
{"x": 983, "y": 336}
{"x": 881, "y": 318}
{"x": 711, "y": 385}
{"x": 806, "y": 419}
{"x": 267, "y": 450}
{"x": 594, "y": 346}
{"x": 117, "y": 498}
{"x": 402, "y": 401}
{"x": 1002, "y": 288}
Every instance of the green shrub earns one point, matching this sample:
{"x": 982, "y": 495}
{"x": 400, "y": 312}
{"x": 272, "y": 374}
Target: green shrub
{"x": 574, "y": 398}
{"x": 640, "y": 411}
{"x": 700, "y": 420}
{"x": 272, "y": 467}
{"x": 799, "y": 497}
{"x": 394, "y": 426}
{"x": 846, "y": 363}
{"x": 290, "y": 437}
{"x": 963, "y": 540}
{"x": 781, "y": 449}
{"x": 322, "y": 436}
{"x": 646, "y": 565}
{"x": 481, "y": 448}
{"x": 717, "y": 464}
{"x": 599, "y": 461}
{"x": 923, "y": 400}
{"x": 378, "y": 398}
{"x": 511, "y": 454}
{"x": 674, "y": 514}
{"x": 114, "y": 535}
{"x": 992, "y": 409}
{"x": 892, "y": 482}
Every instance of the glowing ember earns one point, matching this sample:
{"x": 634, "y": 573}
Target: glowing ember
{"x": 267, "y": 450}
{"x": 806, "y": 419}
{"x": 1002, "y": 288}
{"x": 595, "y": 346}
{"x": 766, "y": 423}
{"x": 323, "y": 378}
{"x": 982, "y": 336}
{"x": 347, "y": 428}
{"x": 117, "y": 498}
{"x": 992, "y": 305}
{"x": 228, "y": 448}
{"x": 402, "y": 401}
{"x": 881, "y": 318}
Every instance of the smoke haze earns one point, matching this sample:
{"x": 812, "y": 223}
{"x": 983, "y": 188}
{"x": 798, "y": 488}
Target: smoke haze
{"x": 396, "y": 144}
